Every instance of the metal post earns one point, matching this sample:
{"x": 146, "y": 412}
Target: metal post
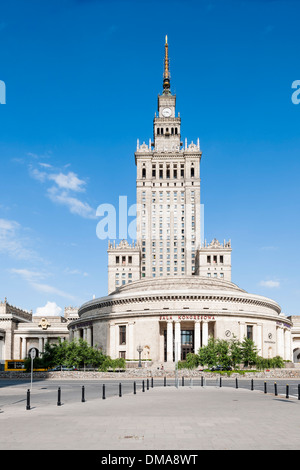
{"x": 236, "y": 383}
{"x": 220, "y": 381}
{"x": 28, "y": 400}
{"x": 82, "y": 394}
{"x": 147, "y": 384}
{"x": 143, "y": 385}
{"x": 182, "y": 381}
{"x": 201, "y": 380}
{"x": 298, "y": 391}
{"x": 120, "y": 389}
{"x": 151, "y": 382}
{"x": 252, "y": 386}
{"x": 287, "y": 391}
{"x": 275, "y": 389}
{"x": 165, "y": 381}
{"x": 134, "y": 388}
{"x": 103, "y": 392}
{"x": 265, "y": 386}
{"x": 58, "y": 397}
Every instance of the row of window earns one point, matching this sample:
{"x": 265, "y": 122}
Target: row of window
{"x": 167, "y": 172}
{"x": 215, "y": 259}
{"x": 123, "y": 260}
{"x": 167, "y": 131}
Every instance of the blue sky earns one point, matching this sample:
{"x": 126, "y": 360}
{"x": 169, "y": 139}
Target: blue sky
{"x": 82, "y": 79}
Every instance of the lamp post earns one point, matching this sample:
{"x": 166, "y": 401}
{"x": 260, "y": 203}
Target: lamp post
{"x": 139, "y": 350}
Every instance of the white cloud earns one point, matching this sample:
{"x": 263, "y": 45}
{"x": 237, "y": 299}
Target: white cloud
{"x": 47, "y": 289}
{"x": 50, "y": 309}
{"x": 64, "y": 185}
{"x": 28, "y": 275}
{"x": 12, "y": 240}
{"x": 271, "y": 284}
{"x": 74, "y": 204}
{"x": 69, "y": 181}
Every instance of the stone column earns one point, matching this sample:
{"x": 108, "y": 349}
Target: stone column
{"x": 287, "y": 344}
{"x": 259, "y": 339}
{"x": 89, "y": 335}
{"x": 205, "y": 333}
{"x": 130, "y": 341}
{"x": 177, "y": 340}
{"x": 23, "y": 347}
{"x": 280, "y": 345}
{"x": 242, "y": 331}
{"x": 112, "y": 341}
{"x": 197, "y": 336}
{"x": 41, "y": 345}
{"x": 169, "y": 341}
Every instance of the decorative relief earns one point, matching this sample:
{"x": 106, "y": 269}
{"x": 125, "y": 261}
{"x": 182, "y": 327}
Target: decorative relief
{"x": 44, "y": 324}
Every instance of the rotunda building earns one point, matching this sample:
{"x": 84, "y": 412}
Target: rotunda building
{"x": 175, "y": 316}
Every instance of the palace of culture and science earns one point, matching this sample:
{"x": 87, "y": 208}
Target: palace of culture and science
{"x": 169, "y": 291}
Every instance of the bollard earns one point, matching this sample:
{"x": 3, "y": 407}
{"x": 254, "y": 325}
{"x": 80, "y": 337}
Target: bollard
{"x": 28, "y": 400}
{"x": 103, "y": 392}
{"x": 182, "y": 381}
{"x": 252, "y": 386}
{"x": 220, "y": 381}
{"x": 151, "y": 382}
{"x": 287, "y": 391}
{"x": 298, "y": 391}
{"x": 165, "y": 381}
{"x": 275, "y": 389}
{"x": 265, "y": 387}
{"x": 143, "y": 385}
{"x": 58, "y": 397}
{"x": 236, "y": 383}
{"x": 120, "y": 389}
{"x": 201, "y": 380}
{"x": 134, "y": 388}
{"x": 147, "y": 384}
{"x": 83, "y": 394}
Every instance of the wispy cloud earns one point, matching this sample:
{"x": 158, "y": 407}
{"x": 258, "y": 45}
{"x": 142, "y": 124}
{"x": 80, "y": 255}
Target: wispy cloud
{"x": 13, "y": 240}
{"x": 271, "y": 284}
{"x": 64, "y": 189}
{"x": 34, "y": 279}
{"x": 75, "y": 205}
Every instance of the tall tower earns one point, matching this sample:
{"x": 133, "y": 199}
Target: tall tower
{"x": 168, "y": 192}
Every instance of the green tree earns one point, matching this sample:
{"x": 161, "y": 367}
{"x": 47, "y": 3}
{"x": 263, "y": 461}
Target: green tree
{"x": 235, "y": 352}
{"x": 249, "y": 352}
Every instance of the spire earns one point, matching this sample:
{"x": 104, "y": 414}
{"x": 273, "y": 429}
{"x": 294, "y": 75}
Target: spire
{"x": 166, "y": 82}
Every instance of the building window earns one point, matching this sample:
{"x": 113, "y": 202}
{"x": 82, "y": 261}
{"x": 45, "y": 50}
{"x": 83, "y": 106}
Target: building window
{"x": 122, "y": 354}
{"x": 144, "y": 173}
{"x": 250, "y": 332}
{"x": 122, "y": 335}
{"x": 117, "y": 259}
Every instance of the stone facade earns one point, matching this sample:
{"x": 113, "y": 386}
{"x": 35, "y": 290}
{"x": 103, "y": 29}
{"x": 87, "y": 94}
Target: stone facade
{"x": 21, "y": 330}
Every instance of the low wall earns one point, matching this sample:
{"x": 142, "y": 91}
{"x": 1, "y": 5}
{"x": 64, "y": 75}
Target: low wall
{"x": 147, "y": 373}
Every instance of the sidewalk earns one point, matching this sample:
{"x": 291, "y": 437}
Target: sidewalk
{"x": 158, "y": 419}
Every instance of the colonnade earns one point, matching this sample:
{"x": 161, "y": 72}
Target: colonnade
{"x": 175, "y": 338}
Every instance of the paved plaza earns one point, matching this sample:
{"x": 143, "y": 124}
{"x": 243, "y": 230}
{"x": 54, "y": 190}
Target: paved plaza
{"x": 199, "y": 418}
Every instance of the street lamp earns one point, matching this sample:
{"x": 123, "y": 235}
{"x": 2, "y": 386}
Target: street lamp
{"x": 139, "y": 350}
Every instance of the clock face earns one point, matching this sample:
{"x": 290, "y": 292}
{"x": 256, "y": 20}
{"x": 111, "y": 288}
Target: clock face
{"x": 166, "y": 112}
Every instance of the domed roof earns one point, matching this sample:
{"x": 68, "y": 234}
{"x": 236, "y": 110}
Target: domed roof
{"x": 191, "y": 284}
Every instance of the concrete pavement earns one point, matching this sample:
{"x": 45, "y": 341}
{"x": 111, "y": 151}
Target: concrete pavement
{"x": 199, "y": 418}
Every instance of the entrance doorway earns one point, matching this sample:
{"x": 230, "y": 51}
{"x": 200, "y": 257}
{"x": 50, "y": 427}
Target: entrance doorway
{"x": 187, "y": 343}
